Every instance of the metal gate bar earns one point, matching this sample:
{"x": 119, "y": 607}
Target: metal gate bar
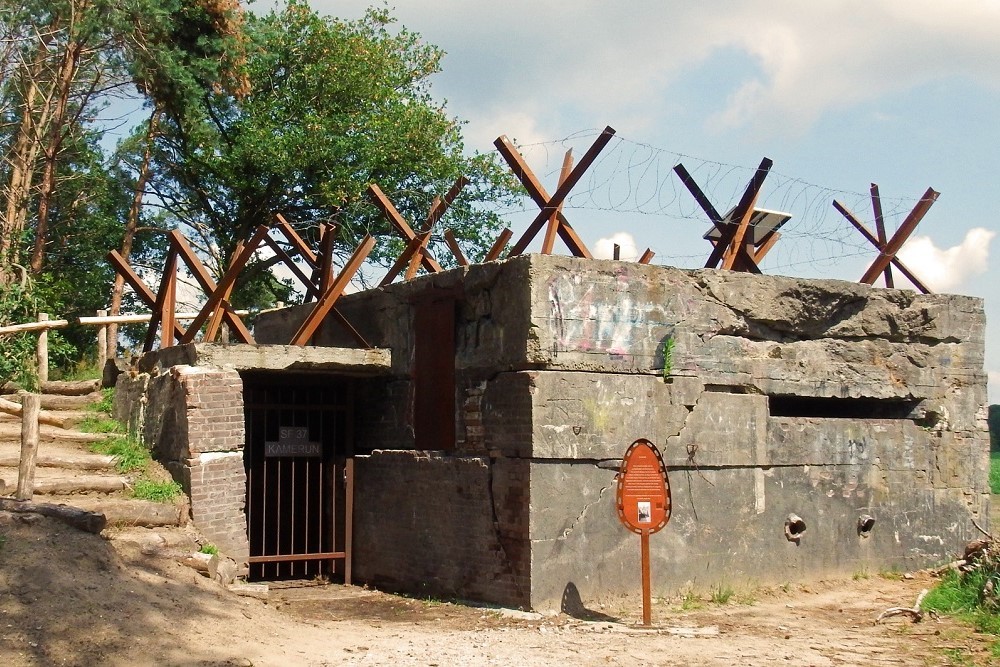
{"x": 294, "y": 502}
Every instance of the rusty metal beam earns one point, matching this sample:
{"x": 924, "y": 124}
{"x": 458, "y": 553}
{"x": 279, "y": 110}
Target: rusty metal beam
{"x": 328, "y": 299}
{"x": 647, "y": 256}
{"x": 140, "y": 288}
{"x": 452, "y": 243}
{"x": 208, "y": 285}
{"x": 880, "y": 229}
{"x": 294, "y": 239}
{"x": 498, "y": 246}
{"x": 743, "y": 209}
{"x": 553, "y": 225}
{"x": 399, "y": 223}
{"x": 555, "y": 201}
{"x": 860, "y": 226}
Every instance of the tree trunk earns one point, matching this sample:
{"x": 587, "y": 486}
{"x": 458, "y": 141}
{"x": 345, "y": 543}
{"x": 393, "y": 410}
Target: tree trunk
{"x": 68, "y": 68}
{"x": 131, "y": 225}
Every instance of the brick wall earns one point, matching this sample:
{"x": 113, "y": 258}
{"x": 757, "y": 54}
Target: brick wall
{"x": 443, "y": 526}
{"x": 192, "y": 420}
{"x": 217, "y": 484}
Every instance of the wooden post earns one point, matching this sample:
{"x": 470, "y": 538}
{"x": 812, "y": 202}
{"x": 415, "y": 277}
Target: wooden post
{"x": 102, "y": 342}
{"x": 43, "y": 350}
{"x": 30, "y": 407}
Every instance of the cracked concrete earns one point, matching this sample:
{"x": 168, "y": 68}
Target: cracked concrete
{"x": 820, "y": 398}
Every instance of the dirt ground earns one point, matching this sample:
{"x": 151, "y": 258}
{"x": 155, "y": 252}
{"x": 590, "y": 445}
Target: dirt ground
{"x": 71, "y": 598}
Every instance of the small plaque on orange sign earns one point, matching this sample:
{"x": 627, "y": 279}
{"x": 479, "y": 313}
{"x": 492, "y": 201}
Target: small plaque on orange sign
{"x": 643, "y": 496}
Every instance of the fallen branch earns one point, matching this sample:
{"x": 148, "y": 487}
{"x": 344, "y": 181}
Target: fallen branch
{"x": 913, "y": 612}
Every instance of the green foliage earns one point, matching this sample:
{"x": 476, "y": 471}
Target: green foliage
{"x": 668, "y": 356}
{"x": 993, "y": 419}
{"x": 721, "y": 594}
{"x": 209, "y": 549}
{"x": 995, "y": 472}
{"x": 332, "y": 107}
{"x": 159, "y": 492}
{"x": 17, "y": 352}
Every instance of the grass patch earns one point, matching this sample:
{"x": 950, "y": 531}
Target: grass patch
{"x": 961, "y": 595}
{"x": 209, "y": 549}
{"x": 995, "y": 472}
{"x": 107, "y": 402}
{"x": 721, "y": 594}
{"x": 690, "y": 601}
{"x": 130, "y": 455}
{"x": 158, "y": 492}
{"x": 860, "y": 575}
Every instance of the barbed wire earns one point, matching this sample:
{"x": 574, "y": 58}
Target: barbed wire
{"x": 633, "y": 180}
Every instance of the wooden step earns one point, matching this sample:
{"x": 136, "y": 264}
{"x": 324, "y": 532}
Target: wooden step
{"x": 11, "y": 431}
{"x": 57, "y": 402}
{"x": 52, "y": 481}
{"x": 64, "y": 460}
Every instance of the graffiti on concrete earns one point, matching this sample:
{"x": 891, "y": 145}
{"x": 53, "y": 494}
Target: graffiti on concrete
{"x": 584, "y": 319}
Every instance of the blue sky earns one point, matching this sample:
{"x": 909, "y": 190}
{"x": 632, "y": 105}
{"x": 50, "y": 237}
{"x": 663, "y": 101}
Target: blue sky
{"x": 839, "y": 94}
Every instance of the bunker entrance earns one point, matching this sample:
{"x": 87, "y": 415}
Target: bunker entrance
{"x": 299, "y": 466}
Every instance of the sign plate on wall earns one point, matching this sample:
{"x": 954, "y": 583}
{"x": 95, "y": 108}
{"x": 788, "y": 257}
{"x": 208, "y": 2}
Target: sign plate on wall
{"x": 643, "y": 497}
{"x": 293, "y": 441}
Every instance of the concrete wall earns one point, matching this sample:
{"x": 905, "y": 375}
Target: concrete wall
{"x": 767, "y": 396}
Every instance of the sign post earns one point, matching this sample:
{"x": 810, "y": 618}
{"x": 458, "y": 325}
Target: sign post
{"x": 643, "y": 503}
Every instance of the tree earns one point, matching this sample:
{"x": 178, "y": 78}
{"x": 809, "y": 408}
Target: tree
{"x": 332, "y": 106}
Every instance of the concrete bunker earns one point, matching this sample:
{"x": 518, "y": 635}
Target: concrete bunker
{"x": 485, "y": 448}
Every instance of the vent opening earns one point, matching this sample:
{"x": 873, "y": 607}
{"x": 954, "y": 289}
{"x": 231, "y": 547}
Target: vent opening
{"x": 840, "y": 408}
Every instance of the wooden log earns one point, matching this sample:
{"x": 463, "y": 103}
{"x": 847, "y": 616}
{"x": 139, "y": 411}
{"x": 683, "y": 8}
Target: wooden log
{"x": 102, "y": 341}
{"x": 12, "y": 408}
{"x": 70, "y": 402}
{"x": 91, "y": 522}
{"x": 34, "y": 326}
{"x": 70, "y": 387}
{"x": 66, "y": 461}
{"x": 135, "y": 512}
{"x": 42, "y": 352}
{"x": 198, "y": 561}
{"x": 80, "y": 484}
{"x": 30, "y": 407}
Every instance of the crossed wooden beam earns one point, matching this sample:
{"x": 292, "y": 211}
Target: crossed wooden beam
{"x": 732, "y": 250}
{"x": 888, "y": 248}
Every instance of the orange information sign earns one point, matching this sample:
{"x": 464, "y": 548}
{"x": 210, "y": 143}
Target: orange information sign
{"x": 643, "y": 497}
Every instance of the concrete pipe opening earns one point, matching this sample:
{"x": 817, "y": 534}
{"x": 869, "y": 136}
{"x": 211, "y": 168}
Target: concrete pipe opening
{"x": 794, "y": 527}
{"x": 866, "y": 523}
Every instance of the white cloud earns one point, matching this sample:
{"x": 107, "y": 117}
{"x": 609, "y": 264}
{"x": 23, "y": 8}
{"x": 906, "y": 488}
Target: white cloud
{"x": 943, "y": 270}
{"x": 605, "y": 247}
{"x": 570, "y": 65}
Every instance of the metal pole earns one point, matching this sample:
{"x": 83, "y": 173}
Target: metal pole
{"x": 30, "y": 406}
{"x": 646, "y": 595}
{"x": 349, "y": 521}
{"x": 43, "y": 350}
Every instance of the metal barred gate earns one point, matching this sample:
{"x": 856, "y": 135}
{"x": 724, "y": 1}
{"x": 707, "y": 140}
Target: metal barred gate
{"x": 298, "y": 458}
